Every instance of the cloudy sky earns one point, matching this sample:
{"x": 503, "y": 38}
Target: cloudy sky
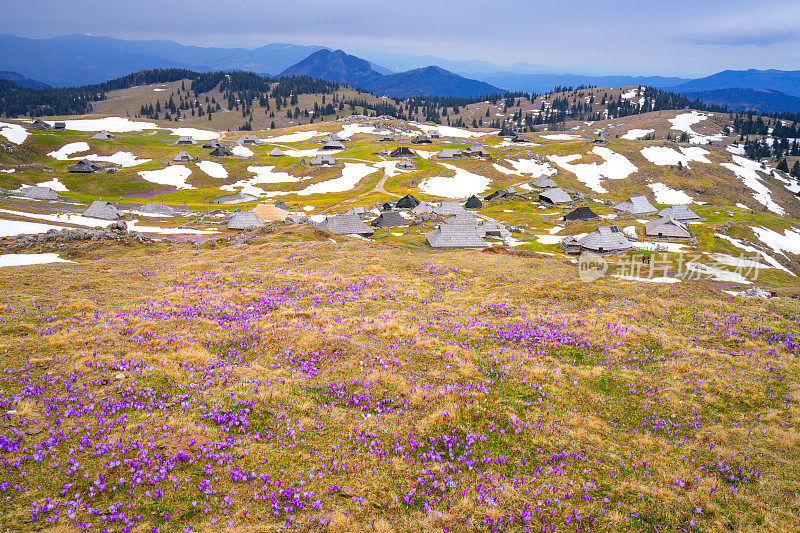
{"x": 668, "y": 37}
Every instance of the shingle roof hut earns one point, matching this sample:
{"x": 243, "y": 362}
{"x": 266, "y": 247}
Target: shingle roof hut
{"x": 185, "y": 140}
{"x": 406, "y": 164}
{"x": 679, "y": 212}
{"x": 247, "y": 139}
{"x": 332, "y": 145}
{"x": 102, "y": 136}
{"x": 421, "y": 139}
{"x": 520, "y": 139}
{"x": 605, "y": 239}
{"x": 449, "y": 153}
{"x": 555, "y": 196}
{"x": 500, "y": 194}
{"x": 236, "y": 198}
{"x": 389, "y": 219}
{"x": 636, "y": 205}
{"x": 103, "y": 210}
{"x": 346, "y": 225}
{"x": 580, "y": 213}
{"x": 473, "y": 202}
{"x": 448, "y": 209}
{"x": 422, "y": 209}
{"x": 183, "y": 156}
{"x": 245, "y": 220}
{"x": 39, "y": 125}
{"x": 280, "y": 204}
{"x": 455, "y": 236}
{"x": 667, "y": 228}
{"x": 477, "y": 151}
{"x": 213, "y": 143}
{"x": 492, "y": 228}
{"x": 38, "y": 193}
{"x": 221, "y": 151}
{"x": 407, "y": 202}
{"x": 321, "y": 159}
{"x": 276, "y": 152}
{"x": 544, "y": 182}
{"x": 84, "y": 166}
{"x": 402, "y": 151}
{"x": 60, "y": 126}
{"x": 157, "y": 208}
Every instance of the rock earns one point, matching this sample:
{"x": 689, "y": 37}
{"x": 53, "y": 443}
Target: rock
{"x": 34, "y": 429}
{"x": 346, "y": 491}
{"x": 755, "y": 292}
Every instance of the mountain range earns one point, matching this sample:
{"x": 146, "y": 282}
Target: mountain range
{"x": 73, "y": 60}
{"x": 356, "y": 72}
{"x": 19, "y": 79}
{"x": 738, "y": 99}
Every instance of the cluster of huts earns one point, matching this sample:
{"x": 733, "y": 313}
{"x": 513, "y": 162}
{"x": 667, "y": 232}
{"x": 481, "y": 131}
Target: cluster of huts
{"x": 671, "y": 223}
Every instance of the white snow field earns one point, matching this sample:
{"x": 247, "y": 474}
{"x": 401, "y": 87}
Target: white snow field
{"x": 449, "y": 131}
{"x": 12, "y": 260}
{"x": 789, "y": 241}
{"x": 685, "y": 121}
{"x": 561, "y": 137}
{"x": 352, "y": 173}
{"x": 14, "y": 133}
{"x": 525, "y": 166}
{"x": 634, "y": 134}
{"x": 263, "y": 175}
{"x": 196, "y": 134}
{"x": 616, "y": 166}
{"x": 54, "y": 184}
{"x": 664, "y": 155}
{"x": 110, "y": 124}
{"x": 665, "y": 195}
{"x": 213, "y": 169}
{"x": 462, "y": 185}
{"x": 746, "y": 170}
{"x": 174, "y": 175}
{"x": 241, "y": 151}
{"x": 63, "y": 153}
{"x": 296, "y": 137}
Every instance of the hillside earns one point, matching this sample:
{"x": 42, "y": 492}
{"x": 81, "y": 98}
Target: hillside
{"x": 290, "y": 380}
{"x": 19, "y": 79}
{"x": 163, "y": 369}
{"x": 762, "y": 100}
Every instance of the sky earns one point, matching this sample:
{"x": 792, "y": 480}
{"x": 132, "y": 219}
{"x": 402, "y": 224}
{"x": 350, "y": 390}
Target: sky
{"x": 645, "y": 37}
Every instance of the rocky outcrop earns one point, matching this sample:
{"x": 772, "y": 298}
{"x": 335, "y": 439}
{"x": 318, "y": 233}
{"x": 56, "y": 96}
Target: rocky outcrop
{"x": 61, "y": 239}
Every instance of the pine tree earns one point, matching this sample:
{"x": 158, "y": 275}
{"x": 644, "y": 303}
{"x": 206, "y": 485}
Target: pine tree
{"x": 783, "y": 166}
{"x": 796, "y": 169}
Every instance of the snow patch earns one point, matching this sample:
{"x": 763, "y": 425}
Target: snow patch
{"x": 462, "y": 185}
{"x": 665, "y": 195}
{"x": 196, "y": 134}
{"x": 664, "y": 155}
{"x": 10, "y": 260}
{"x": 174, "y": 176}
{"x": 110, "y": 124}
{"x": 634, "y": 134}
{"x": 15, "y": 133}
{"x": 746, "y": 170}
{"x": 616, "y": 166}
{"x": 213, "y": 169}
